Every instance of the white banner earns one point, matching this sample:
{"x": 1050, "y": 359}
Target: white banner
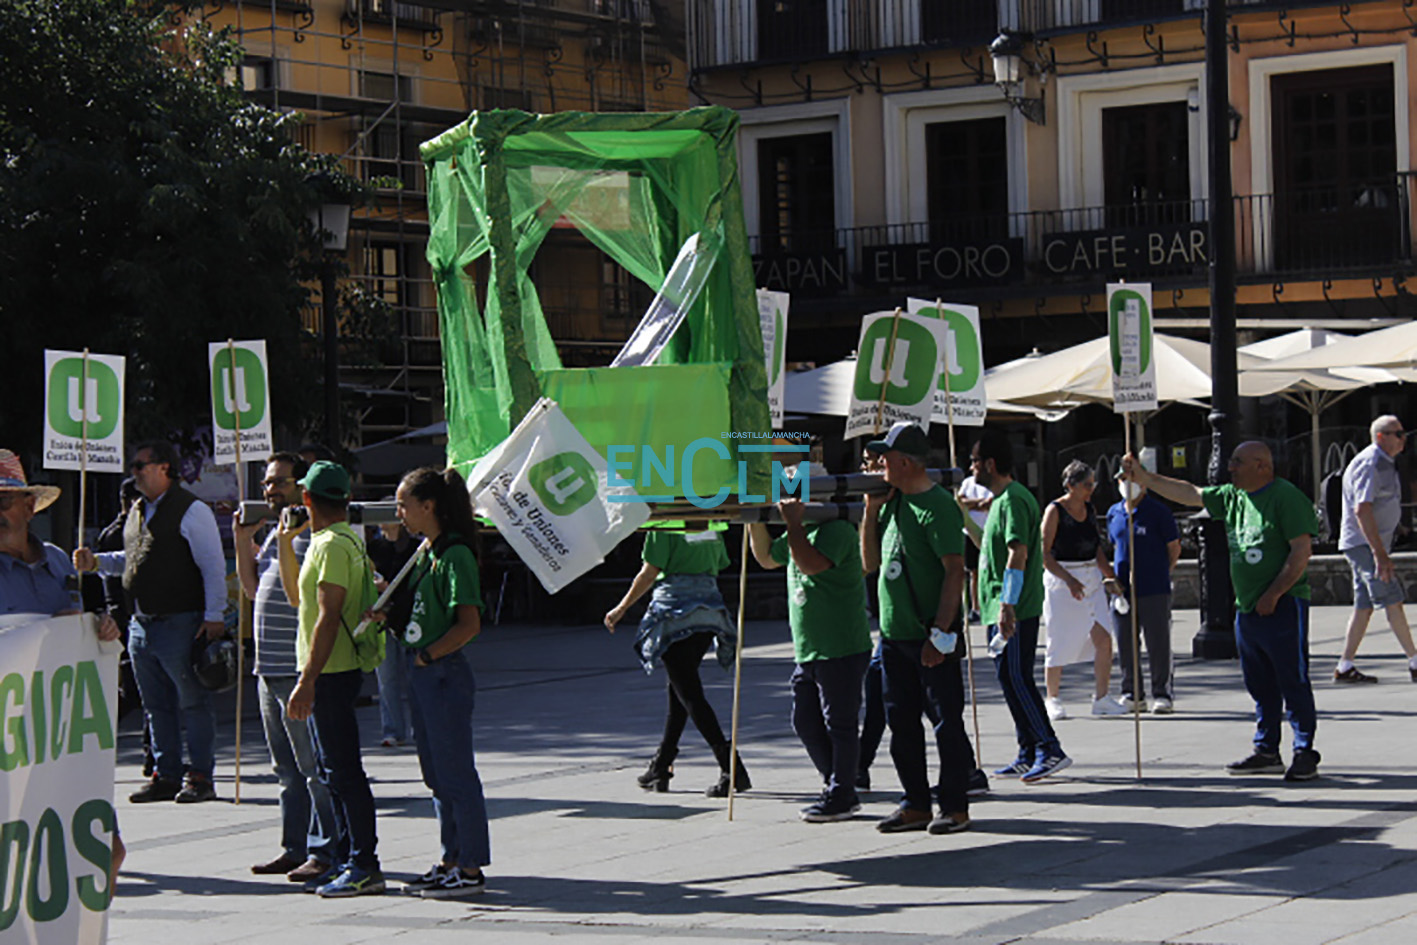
{"x": 240, "y": 391}
{"x": 772, "y": 313}
{"x": 83, "y": 397}
{"x": 908, "y": 372}
{"x": 1130, "y": 342}
{"x": 58, "y": 699}
{"x": 546, "y": 490}
{"x": 961, "y": 363}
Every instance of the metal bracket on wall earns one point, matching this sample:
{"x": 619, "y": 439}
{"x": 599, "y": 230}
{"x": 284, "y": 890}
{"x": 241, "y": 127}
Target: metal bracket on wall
{"x": 975, "y": 68}
{"x": 807, "y": 86}
{"x": 757, "y": 93}
{"x": 1406, "y": 6}
{"x": 354, "y": 30}
{"x": 1099, "y": 54}
{"x": 845, "y": 70}
{"x": 925, "y": 76}
{"x": 553, "y": 55}
{"x": 304, "y": 19}
{"x": 431, "y": 41}
{"x": 1176, "y": 295}
{"x": 1276, "y": 289}
{"x": 1335, "y": 307}
{"x": 1378, "y": 294}
{"x": 1159, "y": 47}
{"x": 1289, "y": 29}
{"x": 1343, "y": 10}
{"x": 663, "y": 72}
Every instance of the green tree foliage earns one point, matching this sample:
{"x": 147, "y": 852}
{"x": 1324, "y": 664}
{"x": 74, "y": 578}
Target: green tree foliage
{"x": 146, "y": 209}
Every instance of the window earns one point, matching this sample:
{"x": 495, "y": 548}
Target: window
{"x": 257, "y": 74}
{"x": 967, "y": 179}
{"x": 1335, "y": 159}
{"x": 951, "y": 21}
{"x": 1146, "y": 164}
{"x": 792, "y": 29}
{"x": 384, "y": 270}
{"x": 796, "y": 188}
{"x": 385, "y": 86}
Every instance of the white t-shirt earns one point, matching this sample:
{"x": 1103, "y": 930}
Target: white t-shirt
{"x": 969, "y": 489}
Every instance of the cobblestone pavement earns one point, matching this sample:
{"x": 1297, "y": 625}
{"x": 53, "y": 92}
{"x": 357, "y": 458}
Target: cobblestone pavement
{"x": 566, "y": 719}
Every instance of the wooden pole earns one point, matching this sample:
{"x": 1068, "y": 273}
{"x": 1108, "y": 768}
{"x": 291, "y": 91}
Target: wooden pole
{"x": 737, "y": 675}
{"x": 1132, "y": 593}
{"x": 242, "y": 619}
{"x": 84, "y": 407}
{"x": 964, "y": 603}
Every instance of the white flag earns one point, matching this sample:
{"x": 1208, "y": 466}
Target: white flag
{"x": 546, "y": 490}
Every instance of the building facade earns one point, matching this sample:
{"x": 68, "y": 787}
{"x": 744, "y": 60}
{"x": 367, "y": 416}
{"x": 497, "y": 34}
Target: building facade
{"x": 880, "y": 159}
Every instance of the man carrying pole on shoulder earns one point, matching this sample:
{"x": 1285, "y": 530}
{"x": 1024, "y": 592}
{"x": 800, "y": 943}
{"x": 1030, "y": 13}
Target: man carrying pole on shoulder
{"x": 1271, "y": 527}
{"x": 913, "y": 535}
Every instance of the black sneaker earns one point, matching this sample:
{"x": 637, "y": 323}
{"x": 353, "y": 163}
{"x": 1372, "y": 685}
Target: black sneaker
{"x": 978, "y": 783}
{"x": 428, "y": 880}
{"x": 158, "y": 789}
{"x": 1305, "y": 766}
{"x": 456, "y": 884}
{"x": 826, "y": 811}
{"x": 196, "y": 790}
{"x": 863, "y": 777}
{"x": 1259, "y": 762}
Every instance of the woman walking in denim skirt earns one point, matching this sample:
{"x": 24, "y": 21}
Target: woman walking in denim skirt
{"x": 685, "y": 617}
{"x": 447, "y": 601}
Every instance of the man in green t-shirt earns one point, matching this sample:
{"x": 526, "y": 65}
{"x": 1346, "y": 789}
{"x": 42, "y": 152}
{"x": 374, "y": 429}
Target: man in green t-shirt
{"x": 327, "y": 591}
{"x": 1270, "y": 525}
{"x": 913, "y": 535}
{"x": 1010, "y": 603}
{"x": 831, "y": 639}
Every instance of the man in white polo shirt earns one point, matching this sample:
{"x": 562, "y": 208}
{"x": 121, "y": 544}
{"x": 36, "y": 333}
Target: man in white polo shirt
{"x": 1372, "y": 506}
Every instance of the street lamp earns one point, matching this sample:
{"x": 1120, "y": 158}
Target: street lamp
{"x": 1010, "y": 71}
{"x": 331, "y": 221}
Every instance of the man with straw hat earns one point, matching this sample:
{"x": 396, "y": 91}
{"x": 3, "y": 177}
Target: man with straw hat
{"x": 35, "y": 576}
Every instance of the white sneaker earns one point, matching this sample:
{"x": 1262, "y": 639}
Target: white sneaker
{"x": 1162, "y": 706}
{"x": 1106, "y": 705}
{"x": 1056, "y": 710}
{"x": 1125, "y": 702}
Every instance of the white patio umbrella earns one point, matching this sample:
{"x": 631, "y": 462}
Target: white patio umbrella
{"x": 1394, "y": 348}
{"x": 827, "y": 391}
{"x": 1315, "y": 389}
{"x": 1082, "y": 374}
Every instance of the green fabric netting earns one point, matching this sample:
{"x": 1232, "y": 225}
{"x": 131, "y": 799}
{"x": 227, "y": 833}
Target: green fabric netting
{"x": 637, "y": 186}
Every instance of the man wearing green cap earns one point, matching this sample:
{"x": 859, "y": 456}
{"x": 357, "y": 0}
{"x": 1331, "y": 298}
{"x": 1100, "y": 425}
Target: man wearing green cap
{"x": 327, "y": 592}
{"x": 914, "y": 535}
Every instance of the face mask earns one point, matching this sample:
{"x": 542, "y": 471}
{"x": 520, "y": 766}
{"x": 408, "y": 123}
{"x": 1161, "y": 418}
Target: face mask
{"x": 1131, "y": 491}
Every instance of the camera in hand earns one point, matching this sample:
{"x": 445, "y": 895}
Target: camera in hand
{"x": 295, "y": 515}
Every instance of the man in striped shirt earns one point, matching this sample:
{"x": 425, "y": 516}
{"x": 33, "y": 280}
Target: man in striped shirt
{"x": 309, "y": 829}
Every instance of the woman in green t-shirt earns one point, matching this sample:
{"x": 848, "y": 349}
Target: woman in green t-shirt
{"x": 685, "y": 616}
{"x": 447, "y": 601}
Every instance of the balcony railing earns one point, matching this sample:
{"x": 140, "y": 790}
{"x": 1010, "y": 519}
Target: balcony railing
{"x": 737, "y": 32}
{"x": 1315, "y": 232}
{"x": 731, "y": 32}
{"x": 411, "y": 15}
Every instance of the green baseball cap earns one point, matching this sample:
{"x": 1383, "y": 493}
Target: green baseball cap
{"x": 327, "y": 480}
{"x": 905, "y": 437}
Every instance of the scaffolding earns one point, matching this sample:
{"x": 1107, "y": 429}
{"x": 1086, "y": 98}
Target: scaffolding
{"x": 375, "y": 78}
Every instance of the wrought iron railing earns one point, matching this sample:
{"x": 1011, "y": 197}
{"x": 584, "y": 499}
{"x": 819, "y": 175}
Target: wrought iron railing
{"x": 1318, "y": 231}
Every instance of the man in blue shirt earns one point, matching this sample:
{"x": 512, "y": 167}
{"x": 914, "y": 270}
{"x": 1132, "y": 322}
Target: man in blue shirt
{"x": 35, "y": 576}
{"x": 1158, "y": 548}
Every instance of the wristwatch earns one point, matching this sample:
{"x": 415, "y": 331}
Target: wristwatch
{"x": 422, "y": 658}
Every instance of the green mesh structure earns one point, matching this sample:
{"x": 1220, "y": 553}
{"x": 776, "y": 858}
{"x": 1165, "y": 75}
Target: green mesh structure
{"x": 637, "y": 186}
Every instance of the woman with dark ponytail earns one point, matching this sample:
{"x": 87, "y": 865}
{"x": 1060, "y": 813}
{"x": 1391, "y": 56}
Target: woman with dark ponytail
{"x": 447, "y": 601}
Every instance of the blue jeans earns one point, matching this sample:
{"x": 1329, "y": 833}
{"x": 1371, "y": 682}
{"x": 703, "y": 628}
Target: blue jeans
{"x": 392, "y": 674}
{"x": 873, "y": 724}
{"x": 1274, "y": 661}
{"x": 826, "y": 699}
{"x": 442, "y": 696}
{"x": 1014, "y": 667}
{"x": 161, "y": 651}
{"x": 912, "y": 687}
{"x": 307, "y": 812}
{"x": 342, "y": 769}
